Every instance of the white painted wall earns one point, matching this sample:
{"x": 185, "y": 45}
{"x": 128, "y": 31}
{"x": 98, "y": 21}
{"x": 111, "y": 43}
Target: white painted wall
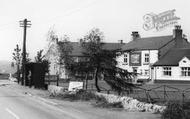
{"x": 176, "y": 71}
{"x": 144, "y": 66}
{"x": 184, "y": 62}
{"x": 176, "y": 74}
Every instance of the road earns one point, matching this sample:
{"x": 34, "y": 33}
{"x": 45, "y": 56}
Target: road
{"x": 16, "y": 105}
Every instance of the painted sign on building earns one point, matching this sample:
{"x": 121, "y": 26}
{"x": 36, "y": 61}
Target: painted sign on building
{"x": 160, "y": 21}
{"x": 135, "y": 59}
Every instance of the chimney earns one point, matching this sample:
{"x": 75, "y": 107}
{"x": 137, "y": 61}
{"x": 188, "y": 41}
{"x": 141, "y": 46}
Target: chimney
{"x": 178, "y": 36}
{"x": 177, "y": 32}
{"x": 135, "y": 35}
{"x": 120, "y": 41}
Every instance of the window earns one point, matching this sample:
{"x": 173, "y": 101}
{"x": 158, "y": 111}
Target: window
{"x": 146, "y": 72}
{"x": 167, "y": 71}
{"x": 146, "y": 58}
{"x": 185, "y": 71}
{"x": 125, "y": 58}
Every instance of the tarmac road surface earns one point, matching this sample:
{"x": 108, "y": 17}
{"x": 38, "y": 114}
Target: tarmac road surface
{"x": 16, "y": 105}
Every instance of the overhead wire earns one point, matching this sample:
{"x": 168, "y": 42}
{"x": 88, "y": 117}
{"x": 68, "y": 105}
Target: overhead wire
{"x": 67, "y": 13}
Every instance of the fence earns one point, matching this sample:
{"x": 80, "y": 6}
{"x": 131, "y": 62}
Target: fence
{"x": 156, "y": 94}
{"x": 148, "y": 93}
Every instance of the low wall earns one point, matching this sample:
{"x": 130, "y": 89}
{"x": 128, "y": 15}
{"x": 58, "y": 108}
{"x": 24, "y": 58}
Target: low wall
{"x": 131, "y": 104}
{"x": 56, "y": 90}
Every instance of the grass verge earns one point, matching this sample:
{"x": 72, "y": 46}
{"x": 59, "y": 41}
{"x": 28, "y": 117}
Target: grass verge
{"x": 82, "y": 95}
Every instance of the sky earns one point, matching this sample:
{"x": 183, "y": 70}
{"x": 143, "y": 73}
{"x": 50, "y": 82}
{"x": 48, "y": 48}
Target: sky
{"x": 74, "y": 18}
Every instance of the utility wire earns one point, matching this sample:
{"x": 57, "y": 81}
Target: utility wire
{"x": 67, "y": 13}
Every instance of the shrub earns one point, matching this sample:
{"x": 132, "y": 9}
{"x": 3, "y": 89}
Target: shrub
{"x": 83, "y": 95}
{"x": 78, "y": 95}
{"x": 174, "y": 110}
{"x": 186, "y": 106}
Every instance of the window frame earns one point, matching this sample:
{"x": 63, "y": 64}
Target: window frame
{"x": 146, "y": 58}
{"x": 125, "y": 58}
{"x": 185, "y": 71}
{"x": 167, "y": 71}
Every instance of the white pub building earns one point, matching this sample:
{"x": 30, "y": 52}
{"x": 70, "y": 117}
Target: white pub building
{"x": 157, "y": 59}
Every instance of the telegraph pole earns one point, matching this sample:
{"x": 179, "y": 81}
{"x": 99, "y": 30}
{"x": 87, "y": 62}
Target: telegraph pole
{"x": 25, "y": 24}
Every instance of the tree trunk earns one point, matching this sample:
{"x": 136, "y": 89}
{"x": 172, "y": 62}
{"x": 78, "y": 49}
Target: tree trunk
{"x": 48, "y": 78}
{"x": 86, "y": 79}
{"x": 96, "y": 80}
{"x": 57, "y": 76}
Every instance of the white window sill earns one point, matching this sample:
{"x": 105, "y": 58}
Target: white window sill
{"x": 185, "y": 76}
{"x": 166, "y": 76}
{"x": 146, "y": 63}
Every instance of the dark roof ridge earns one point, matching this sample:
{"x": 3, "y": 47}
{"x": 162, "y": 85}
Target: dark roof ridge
{"x": 167, "y": 43}
{"x": 154, "y": 37}
{"x": 166, "y": 53}
{"x": 148, "y": 43}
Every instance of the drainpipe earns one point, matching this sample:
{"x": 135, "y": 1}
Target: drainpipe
{"x": 149, "y": 66}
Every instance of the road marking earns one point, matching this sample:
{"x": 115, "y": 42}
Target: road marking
{"x": 12, "y": 113}
{"x": 46, "y": 101}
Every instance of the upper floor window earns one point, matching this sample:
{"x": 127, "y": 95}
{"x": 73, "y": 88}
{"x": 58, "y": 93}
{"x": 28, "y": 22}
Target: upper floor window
{"x": 125, "y": 58}
{"x": 146, "y": 58}
{"x": 167, "y": 71}
{"x": 185, "y": 71}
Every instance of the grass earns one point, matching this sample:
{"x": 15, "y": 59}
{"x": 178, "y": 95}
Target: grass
{"x": 78, "y": 95}
{"x": 82, "y": 95}
{"x": 157, "y": 95}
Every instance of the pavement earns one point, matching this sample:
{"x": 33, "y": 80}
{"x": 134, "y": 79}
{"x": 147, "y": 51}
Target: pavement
{"x": 20, "y": 102}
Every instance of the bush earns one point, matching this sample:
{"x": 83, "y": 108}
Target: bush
{"x": 78, "y": 95}
{"x": 174, "y": 110}
{"x": 83, "y": 95}
{"x": 186, "y": 106}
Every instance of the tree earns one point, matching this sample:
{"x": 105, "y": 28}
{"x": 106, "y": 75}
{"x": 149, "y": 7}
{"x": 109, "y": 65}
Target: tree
{"x": 12, "y": 64}
{"x": 17, "y": 58}
{"x": 27, "y": 58}
{"x": 65, "y": 49}
{"x": 103, "y": 63}
{"x": 39, "y": 58}
{"x": 92, "y": 43}
{"x": 46, "y": 65}
{"x": 52, "y": 38}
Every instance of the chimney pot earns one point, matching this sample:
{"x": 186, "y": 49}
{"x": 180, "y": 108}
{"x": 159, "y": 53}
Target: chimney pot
{"x": 177, "y": 32}
{"x": 135, "y": 35}
{"x": 120, "y": 41}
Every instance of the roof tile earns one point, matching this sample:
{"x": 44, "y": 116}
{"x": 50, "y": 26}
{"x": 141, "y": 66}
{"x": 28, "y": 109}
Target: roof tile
{"x": 149, "y": 43}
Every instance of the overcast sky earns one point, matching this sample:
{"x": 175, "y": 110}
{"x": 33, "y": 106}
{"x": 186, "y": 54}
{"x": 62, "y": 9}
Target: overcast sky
{"x": 115, "y": 18}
